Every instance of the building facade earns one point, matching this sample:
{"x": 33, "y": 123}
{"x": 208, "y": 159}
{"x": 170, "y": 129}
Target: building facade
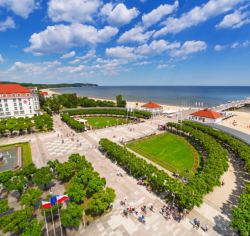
{"x": 206, "y": 116}
{"x": 18, "y": 101}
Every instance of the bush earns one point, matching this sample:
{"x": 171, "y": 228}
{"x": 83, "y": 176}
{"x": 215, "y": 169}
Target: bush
{"x": 72, "y": 123}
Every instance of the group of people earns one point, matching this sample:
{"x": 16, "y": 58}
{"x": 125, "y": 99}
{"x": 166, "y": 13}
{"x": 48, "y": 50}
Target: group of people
{"x": 169, "y": 211}
{"x": 197, "y": 225}
{"x": 129, "y": 210}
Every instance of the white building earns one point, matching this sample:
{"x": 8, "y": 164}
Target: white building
{"x": 18, "y": 101}
{"x": 206, "y": 116}
{"x": 152, "y": 107}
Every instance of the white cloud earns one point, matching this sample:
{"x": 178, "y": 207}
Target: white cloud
{"x": 55, "y": 39}
{"x": 235, "y": 45}
{"x": 157, "y": 14}
{"x": 118, "y": 15}
{"x": 1, "y": 59}
{"x": 189, "y": 47}
{"x": 234, "y": 20}
{"x": 90, "y": 55}
{"x": 68, "y": 55}
{"x": 20, "y": 7}
{"x": 197, "y": 15}
{"x": 73, "y": 10}
{"x": 135, "y": 34}
{"x": 241, "y": 44}
{"x": 121, "y": 52}
{"x": 7, "y": 24}
{"x": 157, "y": 47}
{"x": 219, "y": 47}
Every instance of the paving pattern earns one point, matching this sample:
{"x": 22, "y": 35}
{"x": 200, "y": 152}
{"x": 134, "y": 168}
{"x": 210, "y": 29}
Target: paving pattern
{"x": 49, "y": 146}
{"x": 67, "y": 146}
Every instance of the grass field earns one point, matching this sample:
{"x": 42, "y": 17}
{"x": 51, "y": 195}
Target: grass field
{"x": 101, "y": 122}
{"x": 26, "y": 152}
{"x": 168, "y": 150}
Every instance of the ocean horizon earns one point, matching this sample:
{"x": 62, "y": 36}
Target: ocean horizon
{"x": 170, "y": 95}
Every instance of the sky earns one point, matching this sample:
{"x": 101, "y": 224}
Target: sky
{"x": 129, "y": 42}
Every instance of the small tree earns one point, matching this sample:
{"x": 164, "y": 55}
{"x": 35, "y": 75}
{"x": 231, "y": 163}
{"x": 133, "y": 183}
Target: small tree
{"x": 33, "y": 228}
{"x": 31, "y": 197}
{"x": 76, "y": 192}
{"x": 43, "y": 177}
{"x": 120, "y": 102}
{"x": 71, "y": 216}
{"x": 17, "y": 183}
{"x": 101, "y": 201}
{"x": 16, "y": 221}
{"x": 3, "y": 205}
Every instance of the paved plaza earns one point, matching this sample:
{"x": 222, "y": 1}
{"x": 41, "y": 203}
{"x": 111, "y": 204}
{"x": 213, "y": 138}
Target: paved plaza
{"x": 63, "y": 141}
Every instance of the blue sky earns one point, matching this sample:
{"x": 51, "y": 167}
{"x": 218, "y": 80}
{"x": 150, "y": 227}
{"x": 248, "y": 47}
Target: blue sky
{"x": 130, "y": 42}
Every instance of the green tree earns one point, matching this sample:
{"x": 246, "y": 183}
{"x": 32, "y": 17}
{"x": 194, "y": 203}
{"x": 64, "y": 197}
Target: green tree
{"x": 3, "y": 205}
{"x": 5, "y": 177}
{"x": 66, "y": 171}
{"x": 120, "y": 102}
{"x": 76, "y": 192}
{"x": 31, "y": 197}
{"x": 101, "y": 201}
{"x": 71, "y": 216}
{"x": 33, "y": 228}
{"x": 95, "y": 185}
{"x": 17, "y": 221}
{"x": 17, "y": 183}
{"x": 43, "y": 176}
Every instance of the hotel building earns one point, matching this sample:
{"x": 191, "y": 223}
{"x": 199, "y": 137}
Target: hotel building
{"x": 18, "y": 101}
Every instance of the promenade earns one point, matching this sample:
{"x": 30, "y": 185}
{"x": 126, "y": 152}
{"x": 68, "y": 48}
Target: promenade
{"x": 61, "y": 143}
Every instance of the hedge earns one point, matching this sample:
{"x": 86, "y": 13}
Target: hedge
{"x": 72, "y": 123}
{"x": 109, "y": 111}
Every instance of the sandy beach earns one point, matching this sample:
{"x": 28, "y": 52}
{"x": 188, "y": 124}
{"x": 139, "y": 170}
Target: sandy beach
{"x": 241, "y": 118}
{"x": 132, "y": 104}
{"x": 240, "y": 121}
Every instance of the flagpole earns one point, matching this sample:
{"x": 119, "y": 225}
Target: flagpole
{"x": 53, "y": 220}
{"x": 47, "y": 230}
{"x": 59, "y": 218}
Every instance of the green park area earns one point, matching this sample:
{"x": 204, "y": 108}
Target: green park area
{"x": 101, "y": 122}
{"x": 168, "y": 150}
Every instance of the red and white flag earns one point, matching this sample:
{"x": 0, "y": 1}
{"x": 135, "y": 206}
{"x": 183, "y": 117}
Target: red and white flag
{"x": 46, "y": 205}
{"x": 62, "y": 198}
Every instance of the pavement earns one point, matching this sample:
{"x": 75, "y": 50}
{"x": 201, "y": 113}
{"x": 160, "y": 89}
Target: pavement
{"x": 63, "y": 141}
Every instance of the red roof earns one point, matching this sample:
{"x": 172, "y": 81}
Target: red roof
{"x": 13, "y": 88}
{"x": 207, "y": 113}
{"x": 43, "y": 93}
{"x": 151, "y": 105}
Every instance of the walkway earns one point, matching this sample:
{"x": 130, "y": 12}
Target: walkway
{"x": 49, "y": 146}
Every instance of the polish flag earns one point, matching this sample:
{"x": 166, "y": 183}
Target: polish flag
{"x": 62, "y": 198}
{"x": 46, "y": 205}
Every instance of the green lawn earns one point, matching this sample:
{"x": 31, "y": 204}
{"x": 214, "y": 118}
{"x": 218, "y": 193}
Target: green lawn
{"x": 168, "y": 150}
{"x": 26, "y": 152}
{"x": 101, "y": 122}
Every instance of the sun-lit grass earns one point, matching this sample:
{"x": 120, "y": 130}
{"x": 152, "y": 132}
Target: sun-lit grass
{"x": 101, "y": 122}
{"x": 168, "y": 150}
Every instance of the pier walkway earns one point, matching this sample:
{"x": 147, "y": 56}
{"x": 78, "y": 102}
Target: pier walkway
{"x": 233, "y": 104}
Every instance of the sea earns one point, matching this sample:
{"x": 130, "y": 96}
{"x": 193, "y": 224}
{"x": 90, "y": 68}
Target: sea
{"x": 188, "y": 96}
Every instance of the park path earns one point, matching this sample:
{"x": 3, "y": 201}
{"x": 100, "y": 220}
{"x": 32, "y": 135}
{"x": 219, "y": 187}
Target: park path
{"x": 49, "y": 146}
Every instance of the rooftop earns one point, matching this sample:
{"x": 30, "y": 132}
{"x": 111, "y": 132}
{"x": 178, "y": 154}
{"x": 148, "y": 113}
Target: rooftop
{"x": 152, "y": 105}
{"x": 207, "y": 113}
{"x": 13, "y": 88}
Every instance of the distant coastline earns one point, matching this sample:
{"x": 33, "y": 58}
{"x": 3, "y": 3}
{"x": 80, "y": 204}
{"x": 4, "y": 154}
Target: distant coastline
{"x": 53, "y": 86}
{"x": 181, "y": 96}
